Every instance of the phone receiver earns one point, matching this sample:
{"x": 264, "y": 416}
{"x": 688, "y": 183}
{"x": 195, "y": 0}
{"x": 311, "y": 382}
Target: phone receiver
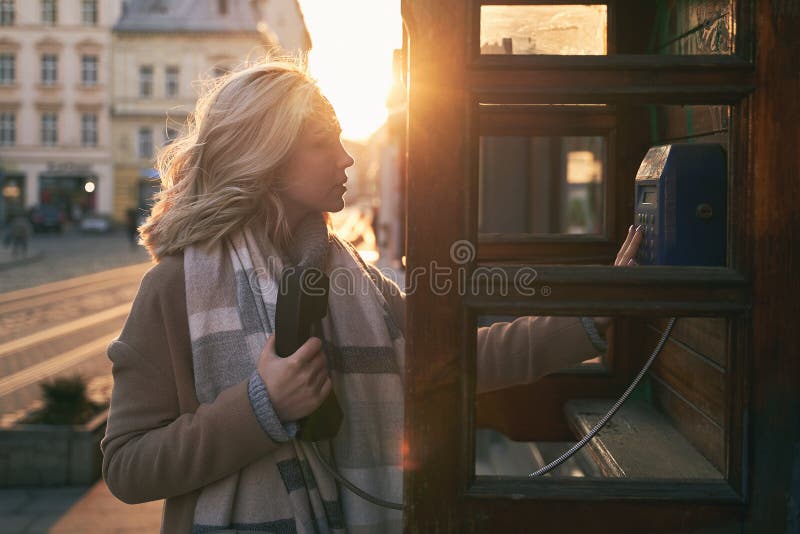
{"x": 302, "y": 301}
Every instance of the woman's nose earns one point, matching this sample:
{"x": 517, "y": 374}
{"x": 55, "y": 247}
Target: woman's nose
{"x": 345, "y": 159}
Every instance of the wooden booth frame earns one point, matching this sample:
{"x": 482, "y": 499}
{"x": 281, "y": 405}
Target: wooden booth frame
{"x": 456, "y": 95}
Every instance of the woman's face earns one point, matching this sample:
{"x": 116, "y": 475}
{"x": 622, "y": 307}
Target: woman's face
{"x": 314, "y": 177}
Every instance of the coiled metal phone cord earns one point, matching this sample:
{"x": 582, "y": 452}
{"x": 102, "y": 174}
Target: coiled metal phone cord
{"x": 549, "y": 467}
{"x": 563, "y": 458}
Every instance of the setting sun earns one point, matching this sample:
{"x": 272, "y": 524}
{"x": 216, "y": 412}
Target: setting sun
{"x": 351, "y": 58}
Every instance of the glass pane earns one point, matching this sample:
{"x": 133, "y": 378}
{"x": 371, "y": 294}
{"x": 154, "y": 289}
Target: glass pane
{"x": 673, "y": 425}
{"x": 592, "y": 362}
{"x": 693, "y": 124}
{"x": 544, "y": 29}
{"x": 541, "y": 185}
{"x": 668, "y": 27}
{"x": 693, "y": 27}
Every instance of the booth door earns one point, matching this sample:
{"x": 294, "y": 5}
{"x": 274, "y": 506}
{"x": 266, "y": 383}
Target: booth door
{"x": 527, "y": 126}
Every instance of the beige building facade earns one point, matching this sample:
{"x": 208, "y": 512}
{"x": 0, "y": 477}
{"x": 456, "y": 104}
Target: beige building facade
{"x": 282, "y": 22}
{"x": 162, "y": 50}
{"x": 155, "y": 84}
{"x": 55, "y": 131}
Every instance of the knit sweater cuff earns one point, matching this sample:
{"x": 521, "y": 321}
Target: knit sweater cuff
{"x": 265, "y": 413}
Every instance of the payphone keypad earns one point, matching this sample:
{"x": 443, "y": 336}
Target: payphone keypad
{"x": 647, "y": 252}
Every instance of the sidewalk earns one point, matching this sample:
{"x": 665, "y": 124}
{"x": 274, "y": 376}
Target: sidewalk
{"x": 74, "y": 510}
{"x": 100, "y": 512}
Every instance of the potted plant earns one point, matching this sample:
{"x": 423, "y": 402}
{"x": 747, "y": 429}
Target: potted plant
{"x": 58, "y": 443}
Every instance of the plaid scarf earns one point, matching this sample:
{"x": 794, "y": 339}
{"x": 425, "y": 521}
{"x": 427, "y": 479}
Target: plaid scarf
{"x": 231, "y": 291}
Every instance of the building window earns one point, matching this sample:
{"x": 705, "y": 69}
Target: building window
{"x": 6, "y": 12}
{"x": 49, "y": 69}
{"x": 145, "y": 142}
{"x": 49, "y": 134}
{"x": 8, "y": 128}
{"x": 172, "y": 82}
{"x": 49, "y": 12}
{"x": 7, "y": 69}
{"x": 146, "y": 81}
{"x": 89, "y": 12}
{"x": 89, "y": 70}
{"x": 89, "y": 129}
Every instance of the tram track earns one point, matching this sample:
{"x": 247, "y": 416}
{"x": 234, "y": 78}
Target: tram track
{"x": 59, "y": 329}
{"x": 48, "y": 293}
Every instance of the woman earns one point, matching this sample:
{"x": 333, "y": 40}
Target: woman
{"x": 203, "y": 412}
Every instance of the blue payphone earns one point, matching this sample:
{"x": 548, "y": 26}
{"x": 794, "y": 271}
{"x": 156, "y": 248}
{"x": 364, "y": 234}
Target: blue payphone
{"x": 681, "y": 192}
{"x": 681, "y": 195}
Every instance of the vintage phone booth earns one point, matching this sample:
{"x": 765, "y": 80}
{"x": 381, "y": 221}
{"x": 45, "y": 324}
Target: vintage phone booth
{"x": 527, "y": 122}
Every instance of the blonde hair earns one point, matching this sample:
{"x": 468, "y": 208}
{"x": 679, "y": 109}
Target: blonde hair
{"x": 222, "y": 172}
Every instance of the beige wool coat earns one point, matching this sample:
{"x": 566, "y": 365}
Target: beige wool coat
{"x": 161, "y": 443}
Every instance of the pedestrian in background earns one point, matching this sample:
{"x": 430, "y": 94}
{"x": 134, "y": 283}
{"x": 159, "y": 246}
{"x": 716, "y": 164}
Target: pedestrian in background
{"x": 132, "y": 227}
{"x": 20, "y": 231}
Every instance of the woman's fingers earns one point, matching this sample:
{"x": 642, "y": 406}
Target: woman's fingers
{"x": 630, "y": 247}
{"x": 624, "y": 246}
{"x": 321, "y": 378}
{"x": 307, "y": 350}
{"x": 317, "y": 368}
{"x": 633, "y": 247}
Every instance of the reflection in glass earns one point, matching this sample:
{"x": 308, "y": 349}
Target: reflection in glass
{"x": 497, "y": 455}
{"x": 693, "y": 27}
{"x": 690, "y": 123}
{"x": 544, "y": 29}
{"x": 576, "y": 352}
{"x": 667, "y": 27}
{"x": 672, "y": 427}
{"x": 541, "y": 185}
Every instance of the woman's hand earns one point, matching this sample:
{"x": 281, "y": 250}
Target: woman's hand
{"x": 297, "y": 385}
{"x": 627, "y": 252}
{"x": 625, "y": 257}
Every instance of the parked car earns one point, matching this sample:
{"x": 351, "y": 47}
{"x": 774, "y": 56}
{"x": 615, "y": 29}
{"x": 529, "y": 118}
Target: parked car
{"x": 94, "y": 222}
{"x": 46, "y": 217}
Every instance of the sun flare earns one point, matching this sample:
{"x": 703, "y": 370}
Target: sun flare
{"x": 351, "y": 58}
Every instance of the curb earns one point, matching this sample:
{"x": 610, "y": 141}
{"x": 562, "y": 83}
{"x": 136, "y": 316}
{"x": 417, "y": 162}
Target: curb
{"x": 32, "y": 258}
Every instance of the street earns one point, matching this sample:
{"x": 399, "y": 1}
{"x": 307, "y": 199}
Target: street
{"x": 60, "y": 328}
{"x": 53, "y": 257}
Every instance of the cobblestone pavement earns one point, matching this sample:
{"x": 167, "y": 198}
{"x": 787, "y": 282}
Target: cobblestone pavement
{"x": 55, "y": 257}
{"x": 24, "y": 321}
